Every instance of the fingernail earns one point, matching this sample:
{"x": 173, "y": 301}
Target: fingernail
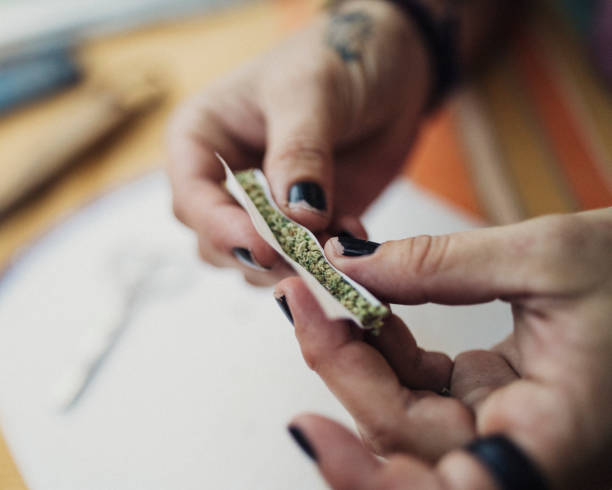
{"x": 282, "y": 302}
{"x": 354, "y": 247}
{"x": 245, "y": 257}
{"x": 300, "y": 439}
{"x": 308, "y": 193}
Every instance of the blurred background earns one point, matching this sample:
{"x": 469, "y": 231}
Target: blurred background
{"x": 92, "y": 83}
{"x": 87, "y": 87}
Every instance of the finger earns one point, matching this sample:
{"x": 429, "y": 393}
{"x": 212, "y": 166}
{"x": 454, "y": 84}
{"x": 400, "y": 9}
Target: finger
{"x": 390, "y": 416}
{"x": 200, "y": 201}
{"x": 460, "y": 268}
{"x": 477, "y": 374}
{"x": 347, "y": 465}
{"x": 508, "y": 349}
{"x": 299, "y": 157}
{"x": 346, "y": 225}
{"x": 269, "y": 277}
{"x": 414, "y": 367}
{"x": 340, "y": 456}
{"x": 226, "y": 232}
{"x": 365, "y": 167}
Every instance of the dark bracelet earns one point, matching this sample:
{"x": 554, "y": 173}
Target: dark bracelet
{"x": 509, "y": 466}
{"x": 440, "y": 38}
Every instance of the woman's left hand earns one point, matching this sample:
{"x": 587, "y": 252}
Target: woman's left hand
{"x": 547, "y": 388}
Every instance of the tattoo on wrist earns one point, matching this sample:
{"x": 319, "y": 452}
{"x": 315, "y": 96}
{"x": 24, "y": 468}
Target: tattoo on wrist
{"x": 348, "y": 32}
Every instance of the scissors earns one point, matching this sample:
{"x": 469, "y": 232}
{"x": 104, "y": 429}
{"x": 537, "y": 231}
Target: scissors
{"x": 140, "y": 277}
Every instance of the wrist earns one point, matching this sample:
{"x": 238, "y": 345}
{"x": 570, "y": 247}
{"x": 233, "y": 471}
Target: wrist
{"x": 394, "y": 57}
{"x": 437, "y": 23}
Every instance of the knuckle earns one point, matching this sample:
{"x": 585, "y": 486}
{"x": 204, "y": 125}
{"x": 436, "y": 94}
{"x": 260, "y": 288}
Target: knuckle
{"x": 216, "y": 238}
{"x": 313, "y": 356}
{"x": 318, "y": 356}
{"x": 425, "y": 254}
{"x": 179, "y": 211}
{"x": 305, "y": 150}
{"x": 382, "y": 437}
{"x": 207, "y": 254}
{"x": 217, "y": 242}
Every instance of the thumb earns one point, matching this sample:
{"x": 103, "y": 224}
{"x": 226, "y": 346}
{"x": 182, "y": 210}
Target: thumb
{"x": 299, "y": 157}
{"x": 460, "y": 268}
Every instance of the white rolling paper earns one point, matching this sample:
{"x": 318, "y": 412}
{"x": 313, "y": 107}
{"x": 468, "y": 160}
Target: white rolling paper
{"x": 332, "y": 308}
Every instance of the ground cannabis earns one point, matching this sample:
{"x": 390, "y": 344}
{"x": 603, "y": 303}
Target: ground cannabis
{"x": 301, "y": 247}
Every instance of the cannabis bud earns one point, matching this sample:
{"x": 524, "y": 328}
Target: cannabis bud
{"x": 302, "y": 247}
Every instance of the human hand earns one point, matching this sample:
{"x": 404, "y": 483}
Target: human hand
{"x": 329, "y": 115}
{"x": 547, "y": 388}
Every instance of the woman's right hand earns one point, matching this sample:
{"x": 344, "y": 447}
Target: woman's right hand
{"x": 329, "y": 115}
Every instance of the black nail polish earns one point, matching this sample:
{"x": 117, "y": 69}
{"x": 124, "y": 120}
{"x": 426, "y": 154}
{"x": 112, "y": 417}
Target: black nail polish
{"x": 301, "y": 441}
{"x": 310, "y": 193}
{"x": 282, "y": 302}
{"x": 245, "y": 257}
{"x": 354, "y": 247}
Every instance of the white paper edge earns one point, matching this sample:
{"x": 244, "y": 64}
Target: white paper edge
{"x": 332, "y": 308}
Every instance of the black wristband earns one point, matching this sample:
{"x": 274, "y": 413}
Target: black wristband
{"x": 440, "y": 38}
{"x": 509, "y": 466}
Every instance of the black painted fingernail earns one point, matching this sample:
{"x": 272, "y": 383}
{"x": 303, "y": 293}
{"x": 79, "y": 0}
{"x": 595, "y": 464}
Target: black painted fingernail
{"x": 245, "y": 257}
{"x": 301, "y": 441}
{"x": 507, "y": 463}
{"x": 282, "y": 302}
{"x": 308, "y": 192}
{"x": 354, "y": 247}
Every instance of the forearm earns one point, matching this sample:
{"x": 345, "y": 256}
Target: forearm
{"x": 482, "y": 25}
{"x": 455, "y": 35}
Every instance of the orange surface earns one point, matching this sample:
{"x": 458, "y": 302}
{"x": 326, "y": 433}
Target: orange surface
{"x": 437, "y": 163}
{"x": 584, "y": 178}
{"x": 294, "y": 14}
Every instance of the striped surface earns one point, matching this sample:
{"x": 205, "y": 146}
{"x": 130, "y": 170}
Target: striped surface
{"x": 535, "y": 131}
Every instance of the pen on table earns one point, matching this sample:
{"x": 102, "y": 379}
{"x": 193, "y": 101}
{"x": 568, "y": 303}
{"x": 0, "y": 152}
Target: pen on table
{"x": 97, "y": 113}
{"x": 33, "y": 75}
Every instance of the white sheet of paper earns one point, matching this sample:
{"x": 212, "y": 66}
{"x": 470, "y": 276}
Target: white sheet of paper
{"x": 198, "y": 391}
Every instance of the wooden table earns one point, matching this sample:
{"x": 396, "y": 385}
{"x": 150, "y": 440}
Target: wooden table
{"x": 190, "y": 53}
